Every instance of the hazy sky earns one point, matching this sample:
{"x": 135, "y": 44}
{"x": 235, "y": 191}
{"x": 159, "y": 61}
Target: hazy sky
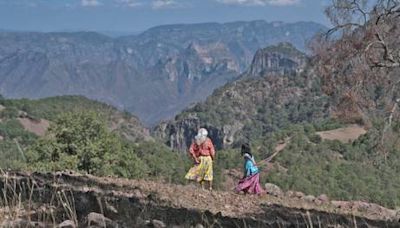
{"x": 138, "y": 15}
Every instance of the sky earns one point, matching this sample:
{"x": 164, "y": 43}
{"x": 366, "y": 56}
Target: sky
{"x": 139, "y": 15}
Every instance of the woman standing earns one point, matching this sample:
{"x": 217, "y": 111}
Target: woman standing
{"x": 203, "y": 153}
{"x": 250, "y": 183}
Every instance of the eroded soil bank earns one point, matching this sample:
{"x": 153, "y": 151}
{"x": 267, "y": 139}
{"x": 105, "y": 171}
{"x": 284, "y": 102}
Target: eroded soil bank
{"x": 51, "y": 198}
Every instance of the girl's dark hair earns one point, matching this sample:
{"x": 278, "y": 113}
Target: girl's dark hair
{"x": 245, "y": 149}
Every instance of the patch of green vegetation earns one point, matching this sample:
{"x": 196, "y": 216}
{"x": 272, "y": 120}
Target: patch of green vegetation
{"x": 343, "y": 171}
{"x": 50, "y": 108}
{"x": 81, "y": 141}
{"x": 265, "y": 105}
{"x": 347, "y": 171}
{"x": 13, "y": 139}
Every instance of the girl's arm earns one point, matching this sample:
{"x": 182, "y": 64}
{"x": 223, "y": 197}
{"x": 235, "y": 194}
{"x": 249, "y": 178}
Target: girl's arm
{"x": 247, "y": 168}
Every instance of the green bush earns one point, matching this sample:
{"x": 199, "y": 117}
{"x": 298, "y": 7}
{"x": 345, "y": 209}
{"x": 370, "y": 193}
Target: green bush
{"x": 79, "y": 141}
{"x": 315, "y": 138}
{"x": 9, "y": 112}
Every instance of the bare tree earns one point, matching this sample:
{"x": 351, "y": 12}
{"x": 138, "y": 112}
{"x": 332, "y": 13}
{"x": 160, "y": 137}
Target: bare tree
{"x": 359, "y": 60}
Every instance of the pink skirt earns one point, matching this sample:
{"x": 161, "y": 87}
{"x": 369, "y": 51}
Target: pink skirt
{"x": 250, "y": 185}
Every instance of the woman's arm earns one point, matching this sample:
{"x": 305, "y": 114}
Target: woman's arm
{"x": 211, "y": 148}
{"x": 192, "y": 153}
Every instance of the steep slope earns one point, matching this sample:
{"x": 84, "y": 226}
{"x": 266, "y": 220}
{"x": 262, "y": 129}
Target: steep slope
{"x": 154, "y": 74}
{"x": 278, "y": 89}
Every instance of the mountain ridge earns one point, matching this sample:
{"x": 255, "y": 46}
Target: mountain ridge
{"x": 154, "y": 74}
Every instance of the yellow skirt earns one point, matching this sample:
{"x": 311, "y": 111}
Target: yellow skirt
{"x": 202, "y": 171}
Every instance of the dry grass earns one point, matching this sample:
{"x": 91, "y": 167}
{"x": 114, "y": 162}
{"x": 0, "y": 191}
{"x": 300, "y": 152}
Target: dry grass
{"x": 345, "y": 134}
{"x": 16, "y": 204}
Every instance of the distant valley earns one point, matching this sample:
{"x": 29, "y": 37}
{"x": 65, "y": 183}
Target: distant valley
{"x": 153, "y": 75}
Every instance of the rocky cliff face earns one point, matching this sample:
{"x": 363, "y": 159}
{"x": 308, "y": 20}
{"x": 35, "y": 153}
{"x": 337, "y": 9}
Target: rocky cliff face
{"x": 180, "y": 134}
{"x": 154, "y": 74}
{"x": 265, "y": 98}
{"x": 282, "y": 59}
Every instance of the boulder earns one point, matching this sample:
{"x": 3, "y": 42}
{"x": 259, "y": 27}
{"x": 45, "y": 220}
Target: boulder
{"x": 299, "y": 195}
{"x": 274, "y": 190}
{"x": 99, "y": 220}
{"x": 323, "y": 198}
{"x": 67, "y": 224}
{"x": 289, "y": 194}
{"x": 318, "y": 202}
{"x": 363, "y": 206}
{"x": 341, "y": 204}
{"x": 309, "y": 198}
{"x": 158, "y": 224}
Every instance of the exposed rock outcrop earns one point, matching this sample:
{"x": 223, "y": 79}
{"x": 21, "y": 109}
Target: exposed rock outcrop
{"x": 180, "y": 134}
{"x": 282, "y": 59}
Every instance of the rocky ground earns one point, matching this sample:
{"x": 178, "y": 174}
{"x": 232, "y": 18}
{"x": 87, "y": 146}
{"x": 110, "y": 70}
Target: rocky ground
{"x": 71, "y": 198}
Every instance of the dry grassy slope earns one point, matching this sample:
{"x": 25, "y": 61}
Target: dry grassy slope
{"x": 177, "y": 197}
{"x": 345, "y": 134}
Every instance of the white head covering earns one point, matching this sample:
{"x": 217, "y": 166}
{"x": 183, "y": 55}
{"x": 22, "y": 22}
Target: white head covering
{"x": 202, "y": 132}
{"x": 201, "y": 136}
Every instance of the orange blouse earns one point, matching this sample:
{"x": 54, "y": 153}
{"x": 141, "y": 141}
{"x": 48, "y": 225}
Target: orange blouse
{"x": 205, "y": 149}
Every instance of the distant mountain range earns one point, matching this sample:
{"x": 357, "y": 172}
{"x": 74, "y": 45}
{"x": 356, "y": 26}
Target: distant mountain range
{"x": 154, "y": 75}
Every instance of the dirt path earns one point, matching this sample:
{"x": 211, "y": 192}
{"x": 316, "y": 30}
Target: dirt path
{"x": 237, "y": 205}
{"x": 278, "y": 149}
{"x": 226, "y": 202}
